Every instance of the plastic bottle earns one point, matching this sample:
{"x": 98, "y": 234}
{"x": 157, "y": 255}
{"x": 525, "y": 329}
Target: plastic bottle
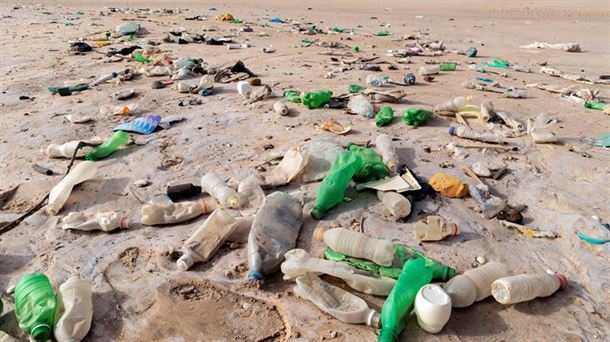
{"x": 474, "y": 285}
{"x": 111, "y": 144}
{"x": 360, "y": 105}
{"x": 377, "y": 81}
{"x": 132, "y": 108}
{"x": 316, "y": 99}
{"x": 65, "y": 150}
{"x": 299, "y": 262}
{"x": 251, "y": 195}
{"x": 469, "y": 133}
{"x": 181, "y": 191}
{"x": 448, "y": 186}
{"x": 595, "y": 105}
{"x": 384, "y": 116}
{"x": 275, "y": 229}
{"x": 357, "y": 245}
{"x": 74, "y": 310}
{"x": 280, "y": 108}
{"x": 457, "y": 104}
{"x": 429, "y": 70}
{"x": 434, "y": 228}
{"x": 107, "y": 221}
{"x": 60, "y": 192}
{"x": 332, "y": 189}
{"x": 206, "y": 240}
{"x": 397, "y": 204}
{"x": 416, "y": 116}
{"x": 433, "y": 308}
{"x": 476, "y": 68}
{"x": 400, "y": 302}
{"x": 35, "y": 306}
{"x": 217, "y": 188}
{"x": 335, "y": 301}
{"x": 244, "y": 89}
{"x": 163, "y": 212}
{"x": 385, "y": 147}
{"x": 524, "y": 287}
{"x": 447, "y": 66}
{"x": 355, "y": 88}
{"x": 292, "y": 164}
{"x": 233, "y": 46}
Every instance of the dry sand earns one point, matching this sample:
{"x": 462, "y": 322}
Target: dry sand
{"x": 139, "y": 294}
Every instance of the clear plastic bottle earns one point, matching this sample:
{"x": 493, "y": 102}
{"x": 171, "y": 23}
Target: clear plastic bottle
{"x": 474, "y": 285}
{"x": 275, "y": 229}
{"x": 490, "y": 205}
{"x": 242, "y": 230}
{"x": 167, "y": 212}
{"x": 454, "y": 105}
{"x": 299, "y": 262}
{"x": 132, "y": 108}
{"x": 469, "y": 133}
{"x": 206, "y": 240}
{"x": 74, "y": 310}
{"x": 335, "y": 301}
{"x": 430, "y": 70}
{"x": 360, "y": 105}
{"x": 357, "y": 245}
{"x": 292, "y": 164}
{"x": 377, "y": 81}
{"x": 217, "y": 188}
{"x": 59, "y": 194}
{"x": 434, "y": 228}
{"x": 280, "y": 108}
{"x": 251, "y": 195}
{"x": 107, "y": 221}
{"x": 157, "y": 71}
{"x": 524, "y": 287}
{"x": 385, "y": 147}
{"x": 433, "y": 308}
{"x": 397, "y": 204}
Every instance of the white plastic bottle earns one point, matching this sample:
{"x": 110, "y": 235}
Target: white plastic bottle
{"x": 434, "y": 228}
{"x": 244, "y": 89}
{"x": 59, "y": 194}
{"x": 335, "y": 301}
{"x": 75, "y": 310}
{"x": 385, "y": 147}
{"x": 65, "y": 150}
{"x": 280, "y": 108}
{"x": 292, "y": 164}
{"x": 469, "y": 133}
{"x": 206, "y": 240}
{"x": 430, "y": 70}
{"x": 357, "y": 245}
{"x": 217, "y": 188}
{"x": 397, "y": 204}
{"x": 432, "y": 307}
{"x": 524, "y": 287}
{"x": 299, "y": 262}
{"x": 162, "y": 212}
{"x": 106, "y": 221}
{"x": 474, "y": 285}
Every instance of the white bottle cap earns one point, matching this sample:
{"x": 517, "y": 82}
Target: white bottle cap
{"x": 185, "y": 262}
{"x": 433, "y": 308}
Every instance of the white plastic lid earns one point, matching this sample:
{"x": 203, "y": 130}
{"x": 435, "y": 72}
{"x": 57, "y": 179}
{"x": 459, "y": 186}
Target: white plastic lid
{"x": 185, "y": 262}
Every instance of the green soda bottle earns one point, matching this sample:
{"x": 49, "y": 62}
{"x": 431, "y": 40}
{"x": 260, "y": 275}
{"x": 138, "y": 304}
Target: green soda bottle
{"x": 400, "y": 301}
{"x": 35, "y": 305}
{"x": 372, "y": 164}
{"x": 139, "y": 58}
{"x": 111, "y": 144}
{"x": 316, "y": 99}
{"x": 416, "y": 116}
{"x": 355, "y": 88}
{"x": 447, "y": 66}
{"x": 384, "y": 116}
{"x": 292, "y": 95}
{"x": 595, "y": 105}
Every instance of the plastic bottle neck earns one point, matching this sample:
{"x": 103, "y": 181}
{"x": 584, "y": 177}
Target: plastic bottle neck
{"x": 185, "y": 262}
{"x": 318, "y": 234}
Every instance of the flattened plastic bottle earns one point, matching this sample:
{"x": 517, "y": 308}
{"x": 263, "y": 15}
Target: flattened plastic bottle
{"x": 292, "y": 164}
{"x": 170, "y": 212}
{"x": 35, "y": 306}
{"x": 275, "y": 229}
{"x": 66, "y": 150}
{"x": 217, "y": 188}
{"x": 251, "y": 195}
{"x": 59, "y": 194}
{"x": 106, "y": 221}
{"x": 356, "y": 244}
{"x": 74, "y": 310}
{"x": 384, "y": 116}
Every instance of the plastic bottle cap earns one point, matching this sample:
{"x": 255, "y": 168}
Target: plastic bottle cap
{"x": 456, "y": 229}
{"x": 563, "y": 279}
{"x": 374, "y": 319}
{"x": 185, "y": 262}
{"x": 41, "y": 332}
{"x": 233, "y": 202}
{"x": 51, "y": 209}
{"x": 124, "y": 223}
{"x": 318, "y": 233}
{"x": 451, "y": 130}
{"x": 317, "y": 213}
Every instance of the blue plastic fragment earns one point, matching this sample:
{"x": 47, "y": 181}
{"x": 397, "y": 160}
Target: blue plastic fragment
{"x": 140, "y": 125}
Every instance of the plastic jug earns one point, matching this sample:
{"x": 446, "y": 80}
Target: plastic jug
{"x": 206, "y": 240}
{"x": 397, "y": 204}
{"x": 275, "y": 229}
{"x": 292, "y": 164}
{"x": 385, "y": 147}
{"x": 357, "y": 245}
{"x": 299, "y": 262}
{"x": 169, "y": 212}
{"x": 74, "y": 310}
{"x": 106, "y": 221}
{"x": 433, "y": 308}
{"x": 469, "y": 133}
{"x": 217, "y": 188}
{"x": 112, "y": 144}
{"x": 434, "y": 228}
{"x": 60, "y": 192}
{"x": 400, "y": 302}
{"x": 474, "y": 285}
{"x": 35, "y": 306}
{"x": 335, "y": 301}
{"x": 524, "y": 287}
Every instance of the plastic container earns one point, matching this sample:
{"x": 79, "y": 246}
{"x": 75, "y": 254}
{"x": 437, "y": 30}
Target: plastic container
{"x": 35, "y": 306}
{"x": 316, "y": 99}
{"x": 433, "y": 308}
{"x": 454, "y": 105}
{"x": 299, "y": 262}
{"x": 74, "y": 310}
{"x": 400, "y": 302}
{"x": 416, "y": 116}
{"x": 385, "y": 147}
{"x": 132, "y": 108}
{"x": 397, "y": 204}
{"x": 429, "y": 70}
{"x": 434, "y": 228}
{"x": 448, "y": 186}
{"x": 181, "y": 191}
{"x": 280, "y": 108}
{"x": 292, "y": 164}
{"x": 217, "y": 188}
{"x": 377, "y": 81}
{"x": 164, "y": 212}
{"x": 357, "y": 245}
{"x": 335, "y": 301}
{"x": 474, "y": 285}
{"x": 359, "y": 104}
{"x": 206, "y": 240}
{"x": 65, "y": 150}
{"x": 469, "y": 133}
{"x": 244, "y": 89}
{"x": 447, "y": 66}
{"x": 524, "y": 287}
{"x": 275, "y": 229}
{"x": 59, "y": 194}
{"x": 106, "y": 221}
{"x": 109, "y": 146}
{"x": 384, "y": 116}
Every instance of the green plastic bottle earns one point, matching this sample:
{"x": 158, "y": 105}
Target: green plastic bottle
{"x": 35, "y": 305}
{"x": 372, "y": 167}
{"x": 595, "y": 105}
{"x": 355, "y": 88}
{"x": 382, "y": 33}
{"x": 400, "y": 301}
{"x": 416, "y": 116}
{"x": 139, "y": 58}
{"x": 498, "y": 63}
{"x": 384, "y": 116}
{"x": 111, "y": 144}
{"x": 316, "y": 99}
{"x": 292, "y": 95}
{"x": 447, "y": 66}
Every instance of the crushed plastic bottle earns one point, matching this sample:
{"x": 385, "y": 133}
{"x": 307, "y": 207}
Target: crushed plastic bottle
{"x": 292, "y": 164}
{"x": 474, "y": 285}
{"x": 59, "y": 194}
{"x": 447, "y": 66}
{"x": 356, "y": 244}
{"x": 524, "y": 287}
{"x": 384, "y": 116}
{"x": 361, "y": 105}
{"x": 106, "y": 221}
{"x": 433, "y": 308}
{"x": 275, "y": 229}
{"x": 168, "y": 212}
{"x": 74, "y": 310}
{"x": 429, "y": 70}
{"x": 35, "y": 306}
{"x": 385, "y": 147}
{"x": 132, "y": 108}
{"x": 377, "y": 81}
{"x": 109, "y": 146}
{"x": 434, "y": 228}
{"x": 217, "y": 188}
{"x": 397, "y": 204}
{"x": 416, "y": 116}
{"x": 457, "y": 104}
{"x": 251, "y": 195}
{"x": 469, "y": 133}
{"x": 316, "y": 99}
